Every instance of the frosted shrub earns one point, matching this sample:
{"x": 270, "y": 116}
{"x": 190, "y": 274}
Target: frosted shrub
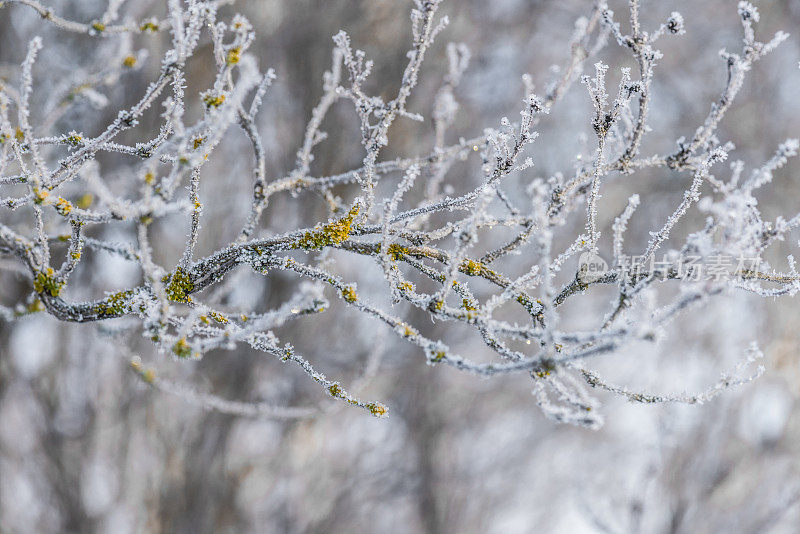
{"x": 440, "y": 252}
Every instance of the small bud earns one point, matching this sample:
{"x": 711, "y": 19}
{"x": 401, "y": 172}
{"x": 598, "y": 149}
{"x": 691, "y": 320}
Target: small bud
{"x": 748, "y": 11}
{"x": 675, "y": 24}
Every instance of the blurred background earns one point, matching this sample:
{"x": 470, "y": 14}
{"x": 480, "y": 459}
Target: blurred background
{"x": 87, "y": 447}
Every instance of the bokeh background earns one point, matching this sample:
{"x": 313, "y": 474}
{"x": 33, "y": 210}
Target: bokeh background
{"x": 87, "y": 447}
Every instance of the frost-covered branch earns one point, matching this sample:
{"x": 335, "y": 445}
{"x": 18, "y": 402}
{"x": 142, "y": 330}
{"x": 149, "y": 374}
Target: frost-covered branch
{"x": 436, "y": 250}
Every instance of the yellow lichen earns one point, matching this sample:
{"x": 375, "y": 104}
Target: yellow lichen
{"x": 63, "y": 206}
{"x": 471, "y": 267}
{"x": 234, "y": 55}
{"x": 527, "y": 303}
{"x": 46, "y": 282}
{"x": 405, "y": 286}
{"x": 332, "y": 233}
{"x": 73, "y": 139}
{"x": 218, "y": 317}
{"x": 148, "y": 375}
{"x": 98, "y": 26}
{"x": 335, "y": 390}
{"x": 212, "y": 101}
{"x": 377, "y": 409}
{"x": 39, "y": 196}
{"x": 396, "y": 252}
{"x": 181, "y": 348}
{"x": 349, "y": 294}
{"x": 407, "y": 330}
{"x": 149, "y": 26}
{"x": 197, "y": 142}
{"x": 35, "y": 306}
{"x": 129, "y": 61}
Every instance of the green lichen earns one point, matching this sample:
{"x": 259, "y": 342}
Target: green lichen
{"x": 98, "y": 27}
{"x": 329, "y": 234}
{"x": 149, "y": 26}
{"x": 179, "y": 286}
{"x": 77, "y": 90}
{"x": 114, "y": 305}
